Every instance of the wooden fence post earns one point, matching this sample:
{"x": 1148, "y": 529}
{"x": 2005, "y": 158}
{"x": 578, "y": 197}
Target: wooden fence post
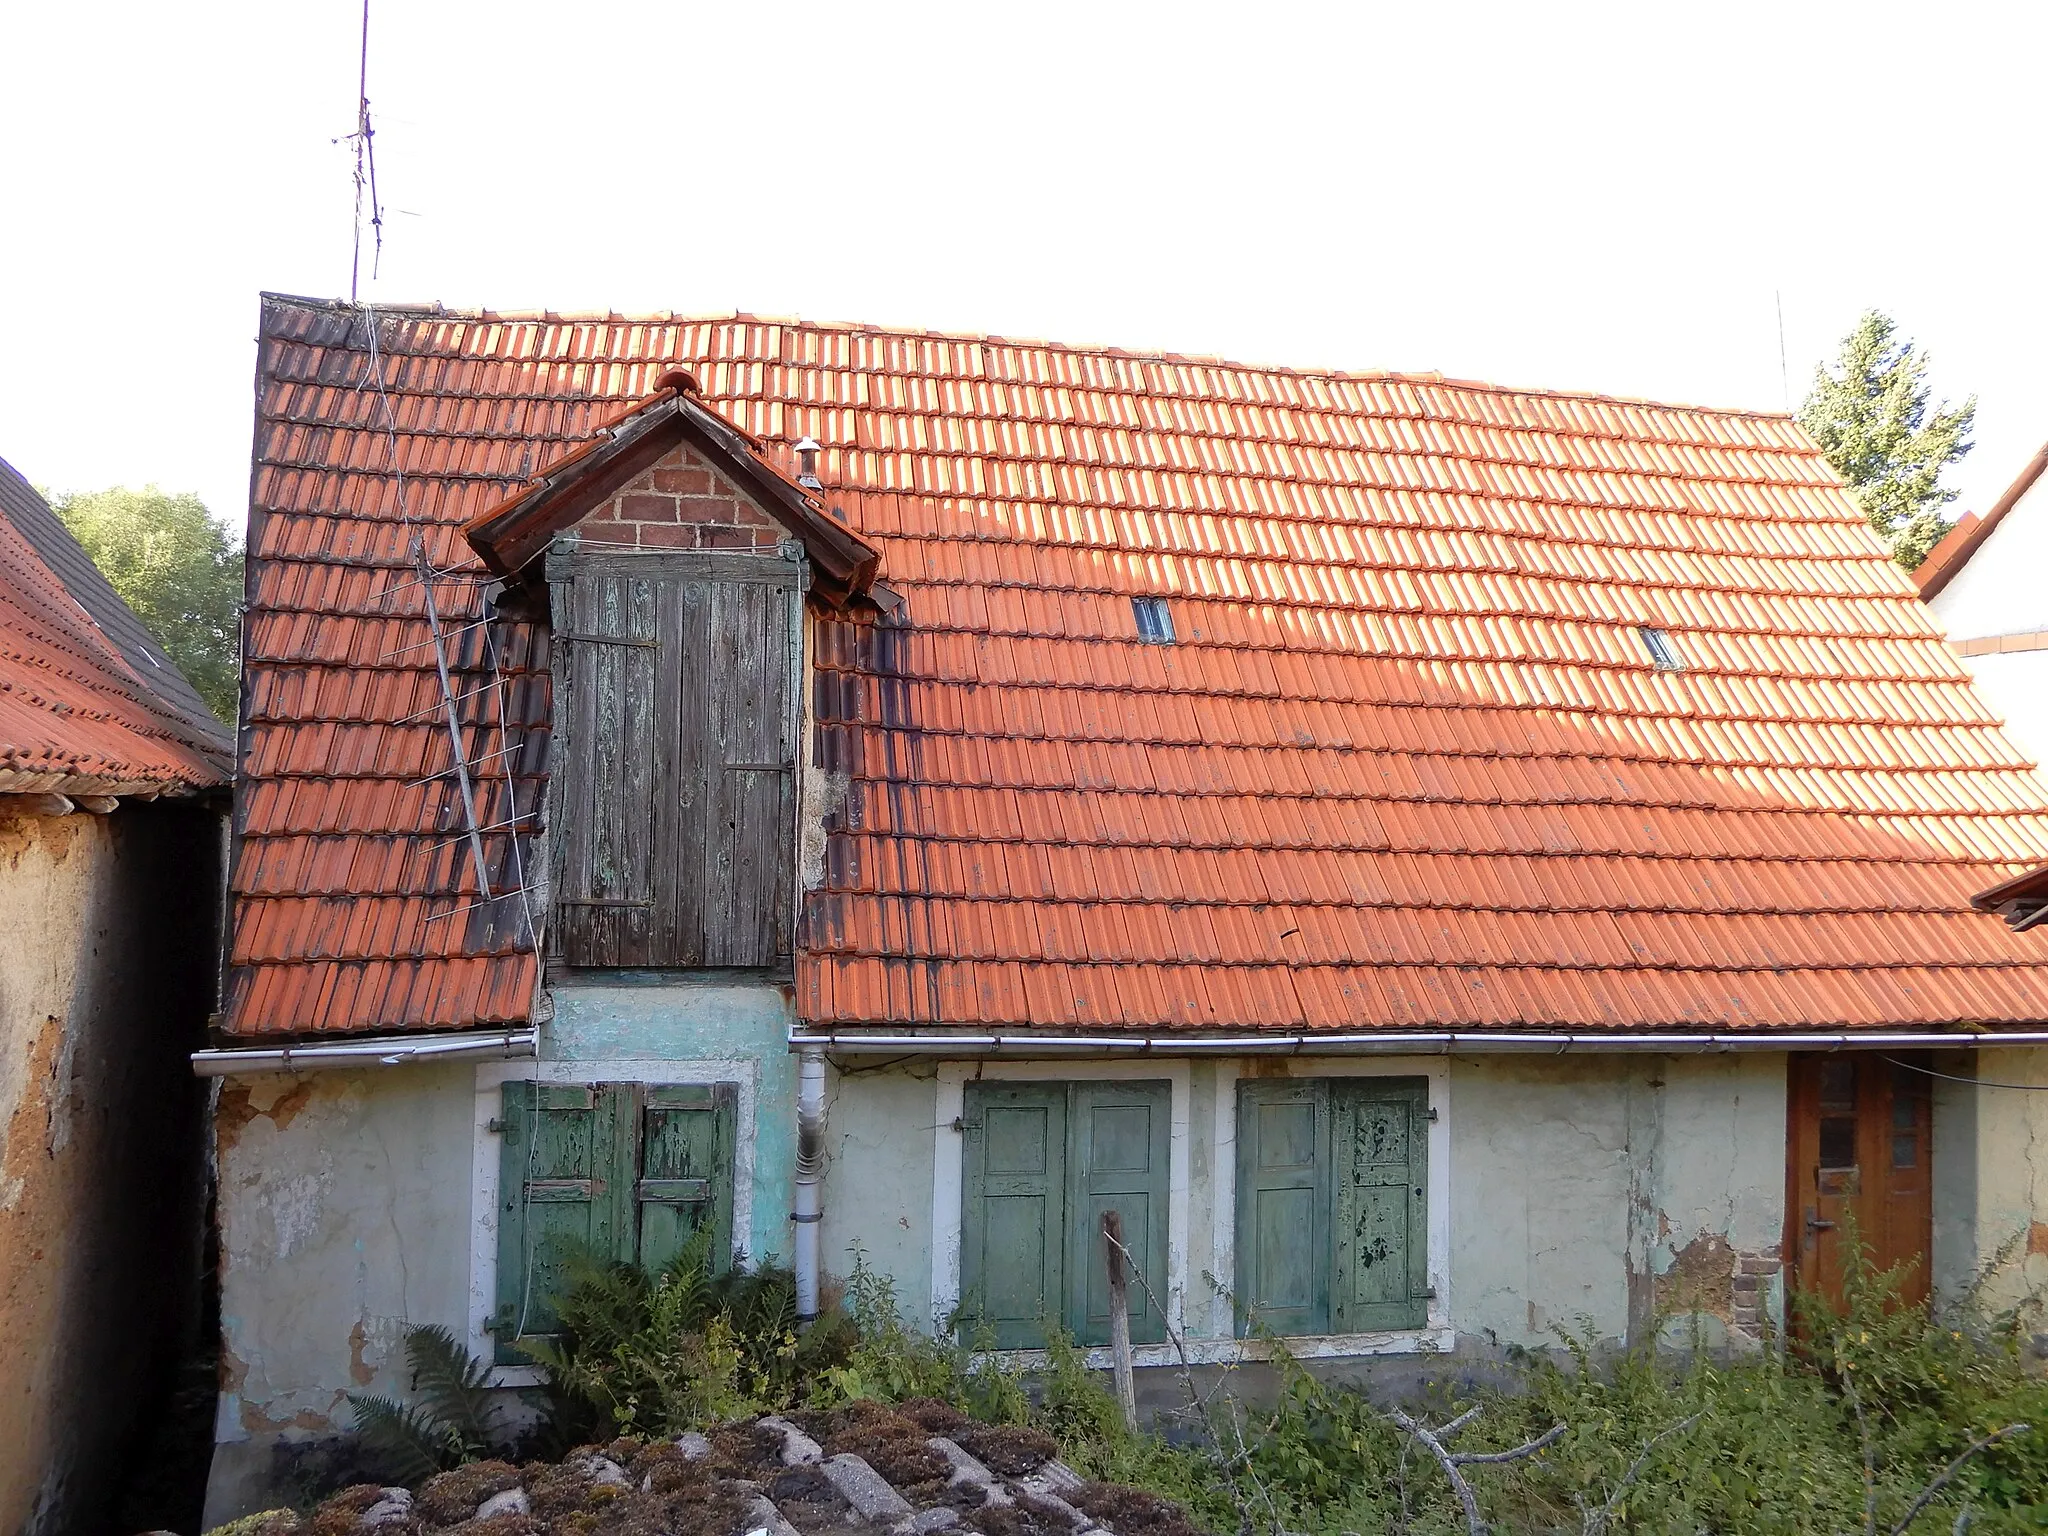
{"x": 1120, "y": 1317}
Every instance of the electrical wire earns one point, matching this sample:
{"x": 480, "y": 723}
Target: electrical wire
{"x": 1974, "y": 1082}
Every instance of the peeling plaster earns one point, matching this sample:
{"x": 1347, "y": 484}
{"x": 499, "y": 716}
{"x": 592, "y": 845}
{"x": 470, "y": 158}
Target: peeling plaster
{"x": 105, "y": 985}
{"x": 238, "y": 1106}
{"x": 360, "y": 1371}
{"x": 1700, "y": 1277}
{"x": 824, "y": 797}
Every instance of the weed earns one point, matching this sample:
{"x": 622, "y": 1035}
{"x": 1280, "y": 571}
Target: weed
{"x": 454, "y": 1416}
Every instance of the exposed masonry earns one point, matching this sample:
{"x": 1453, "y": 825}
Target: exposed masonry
{"x": 1710, "y": 1276}
{"x": 682, "y": 503}
{"x": 1756, "y": 1272}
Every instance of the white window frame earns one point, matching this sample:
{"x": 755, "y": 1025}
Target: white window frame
{"x": 491, "y": 1078}
{"x": 1437, "y": 1333}
{"x": 949, "y": 1169}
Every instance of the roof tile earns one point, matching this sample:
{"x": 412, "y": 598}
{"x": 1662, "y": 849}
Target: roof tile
{"x": 89, "y": 702}
{"x": 1406, "y": 763}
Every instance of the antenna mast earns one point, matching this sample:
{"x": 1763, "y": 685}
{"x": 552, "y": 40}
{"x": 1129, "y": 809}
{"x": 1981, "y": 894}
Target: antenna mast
{"x": 364, "y": 139}
{"x": 1784, "y": 375}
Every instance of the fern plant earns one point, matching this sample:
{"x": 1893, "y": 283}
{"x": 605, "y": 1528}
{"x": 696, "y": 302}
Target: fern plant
{"x": 660, "y": 1352}
{"x": 454, "y": 1416}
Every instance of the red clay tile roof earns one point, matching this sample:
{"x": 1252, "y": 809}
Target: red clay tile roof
{"x": 1407, "y": 763}
{"x": 89, "y": 703}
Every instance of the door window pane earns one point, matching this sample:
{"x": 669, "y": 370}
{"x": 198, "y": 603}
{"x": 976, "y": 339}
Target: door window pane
{"x": 1907, "y": 1086}
{"x": 1838, "y": 1086}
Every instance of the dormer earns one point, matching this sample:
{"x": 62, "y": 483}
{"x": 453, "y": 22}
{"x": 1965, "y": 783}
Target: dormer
{"x": 678, "y": 563}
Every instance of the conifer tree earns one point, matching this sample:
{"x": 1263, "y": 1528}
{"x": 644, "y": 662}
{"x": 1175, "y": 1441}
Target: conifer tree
{"x": 1871, "y": 416}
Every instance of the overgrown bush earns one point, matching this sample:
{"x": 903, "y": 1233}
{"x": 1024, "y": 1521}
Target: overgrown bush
{"x": 1840, "y": 1432}
{"x": 657, "y": 1353}
{"x": 893, "y": 1362}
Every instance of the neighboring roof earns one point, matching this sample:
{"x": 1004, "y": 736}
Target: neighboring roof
{"x": 89, "y": 703}
{"x": 1955, "y": 548}
{"x": 2022, "y": 901}
{"x": 1407, "y": 763}
{"x": 515, "y": 532}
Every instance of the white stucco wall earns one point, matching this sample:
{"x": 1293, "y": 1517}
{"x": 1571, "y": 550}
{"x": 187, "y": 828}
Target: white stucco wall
{"x": 1586, "y": 1190}
{"x": 2015, "y": 685}
{"x": 355, "y": 1204}
{"x": 1598, "y": 1194}
{"x": 2000, "y": 591}
{"x": 1991, "y": 1181}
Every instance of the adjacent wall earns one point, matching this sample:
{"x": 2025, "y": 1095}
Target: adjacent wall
{"x": 1991, "y": 1181}
{"x": 1995, "y": 612}
{"x": 108, "y": 939}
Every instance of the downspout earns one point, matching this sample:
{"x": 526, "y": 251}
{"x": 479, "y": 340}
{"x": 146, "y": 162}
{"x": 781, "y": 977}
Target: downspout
{"x": 810, "y": 1176}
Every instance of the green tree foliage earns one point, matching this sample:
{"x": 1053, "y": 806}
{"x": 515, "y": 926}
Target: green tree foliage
{"x": 178, "y": 568}
{"x": 1872, "y": 417}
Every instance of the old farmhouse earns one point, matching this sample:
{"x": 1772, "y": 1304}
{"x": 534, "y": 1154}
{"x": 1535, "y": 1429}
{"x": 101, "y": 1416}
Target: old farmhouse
{"x": 1440, "y": 860}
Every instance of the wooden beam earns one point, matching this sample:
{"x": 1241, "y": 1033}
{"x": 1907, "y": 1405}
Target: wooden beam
{"x": 35, "y": 805}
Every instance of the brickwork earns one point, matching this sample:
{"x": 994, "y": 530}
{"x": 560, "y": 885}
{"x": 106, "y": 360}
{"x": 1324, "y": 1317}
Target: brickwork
{"x": 1754, "y": 1273}
{"x": 682, "y": 503}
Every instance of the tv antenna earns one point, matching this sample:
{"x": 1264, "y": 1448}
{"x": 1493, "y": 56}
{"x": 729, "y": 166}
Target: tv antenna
{"x": 365, "y": 141}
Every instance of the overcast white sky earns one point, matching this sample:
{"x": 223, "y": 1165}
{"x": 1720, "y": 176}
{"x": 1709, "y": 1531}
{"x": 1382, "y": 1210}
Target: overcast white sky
{"x": 1582, "y": 196}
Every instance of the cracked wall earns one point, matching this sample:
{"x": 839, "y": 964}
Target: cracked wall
{"x": 344, "y": 1204}
{"x": 1586, "y": 1192}
{"x": 1612, "y": 1193}
{"x": 107, "y": 929}
{"x": 1991, "y": 1181}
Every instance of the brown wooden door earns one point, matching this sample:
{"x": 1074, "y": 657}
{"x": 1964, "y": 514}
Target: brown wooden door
{"x": 1860, "y": 1148}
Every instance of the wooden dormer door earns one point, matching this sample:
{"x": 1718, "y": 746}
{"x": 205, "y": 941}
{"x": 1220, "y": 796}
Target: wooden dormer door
{"x": 678, "y": 711}
{"x": 1860, "y": 1143}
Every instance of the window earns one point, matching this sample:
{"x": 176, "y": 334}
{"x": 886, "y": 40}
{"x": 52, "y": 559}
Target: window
{"x": 1044, "y": 1161}
{"x": 1155, "y": 620}
{"x": 1662, "y": 652}
{"x": 611, "y": 1170}
{"x": 676, "y": 733}
{"x": 1331, "y": 1212}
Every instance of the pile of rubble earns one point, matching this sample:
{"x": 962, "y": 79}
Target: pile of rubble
{"x": 863, "y": 1470}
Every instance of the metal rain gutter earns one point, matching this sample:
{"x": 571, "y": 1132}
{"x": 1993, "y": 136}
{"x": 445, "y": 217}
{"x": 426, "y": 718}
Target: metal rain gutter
{"x": 1392, "y": 1043}
{"x": 385, "y": 1051}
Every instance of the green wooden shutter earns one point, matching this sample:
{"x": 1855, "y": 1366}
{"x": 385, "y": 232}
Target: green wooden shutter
{"x": 1283, "y": 1205}
{"x": 686, "y": 1159}
{"x": 565, "y": 1185}
{"x": 1119, "y": 1135}
{"x": 1011, "y": 1260}
{"x": 1379, "y": 1156}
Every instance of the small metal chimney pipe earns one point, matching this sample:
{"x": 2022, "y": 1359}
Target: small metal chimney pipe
{"x": 807, "y": 462}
